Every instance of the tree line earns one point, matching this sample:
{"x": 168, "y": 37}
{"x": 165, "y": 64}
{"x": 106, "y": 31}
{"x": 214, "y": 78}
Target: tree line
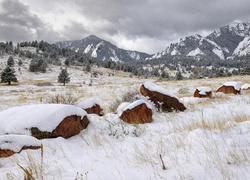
{"x": 201, "y": 67}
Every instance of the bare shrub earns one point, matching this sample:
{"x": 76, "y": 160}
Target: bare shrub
{"x": 128, "y": 96}
{"x": 62, "y": 99}
{"x": 35, "y": 168}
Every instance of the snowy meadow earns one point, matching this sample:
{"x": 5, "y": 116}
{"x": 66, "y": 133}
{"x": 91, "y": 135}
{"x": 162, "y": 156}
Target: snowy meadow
{"x": 209, "y": 140}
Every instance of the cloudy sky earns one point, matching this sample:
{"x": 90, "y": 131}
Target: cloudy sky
{"x": 143, "y": 25}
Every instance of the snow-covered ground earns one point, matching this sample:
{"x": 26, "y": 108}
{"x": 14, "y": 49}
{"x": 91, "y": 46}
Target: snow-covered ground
{"x": 209, "y": 140}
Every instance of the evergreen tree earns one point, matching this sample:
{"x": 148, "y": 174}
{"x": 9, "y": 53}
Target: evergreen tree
{"x": 245, "y": 71}
{"x": 63, "y": 77}
{"x": 38, "y": 64}
{"x": 88, "y": 67}
{"x": 8, "y": 75}
{"x": 10, "y": 61}
{"x": 67, "y": 62}
{"x": 178, "y": 76}
{"x": 164, "y": 74}
{"x": 20, "y": 62}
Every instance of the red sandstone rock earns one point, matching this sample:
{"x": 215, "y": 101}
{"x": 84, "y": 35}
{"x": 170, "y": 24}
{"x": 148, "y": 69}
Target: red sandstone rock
{"x": 228, "y": 90}
{"x": 203, "y": 92}
{"x": 162, "y": 101}
{"x": 6, "y": 153}
{"x": 70, "y": 126}
{"x": 15, "y": 143}
{"x": 137, "y": 113}
{"x": 96, "y": 109}
{"x": 91, "y": 106}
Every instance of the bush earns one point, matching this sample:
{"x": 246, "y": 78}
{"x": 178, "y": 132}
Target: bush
{"x": 128, "y": 96}
{"x": 62, "y": 99}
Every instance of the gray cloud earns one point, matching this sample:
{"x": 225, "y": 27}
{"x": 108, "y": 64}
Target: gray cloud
{"x": 158, "y": 17}
{"x": 17, "y": 23}
{"x": 163, "y": 19}
{"x": 130, "y": 22}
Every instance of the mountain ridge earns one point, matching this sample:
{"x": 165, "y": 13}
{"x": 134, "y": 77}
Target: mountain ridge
{"x": 102, "y": 49}
{"x": 222, "y": 43}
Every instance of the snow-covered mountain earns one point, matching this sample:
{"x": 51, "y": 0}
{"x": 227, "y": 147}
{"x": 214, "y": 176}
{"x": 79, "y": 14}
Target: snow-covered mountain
{"x": 230, "y": 40}
{"x": 102, "y": 50}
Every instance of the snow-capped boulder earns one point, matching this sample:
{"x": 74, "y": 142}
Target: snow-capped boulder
{"x": 230, "y": 87}
{"x": 161, "y": 97}
{"x": 245, "y": 87}
{"x": 11, "y": 144}
{"x": 91, "y": 106}
{"x": 138, "y": 112}
{"x": 44, "y": 120}
{"x": 202, "y": 92}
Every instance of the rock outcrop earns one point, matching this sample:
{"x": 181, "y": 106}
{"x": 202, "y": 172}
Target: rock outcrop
{"x": 229, "y": 88}
{"x": 203, "y": 92}
{"x": 12, "y": 143}
{"x": 44, "y": 120}
{"x": 138, "y": 112}
{"x": 91, "y": 106}
{"x": 70, "y": 126}
{"x": 162, "y": 99}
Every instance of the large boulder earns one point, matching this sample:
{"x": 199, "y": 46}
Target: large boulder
{"x": 230, "y": 88}
{"x": 44, "y": 120}
{"x": 70, "y": 126}
{"x": 11, "y": 144}
{"x": 161, "y": 97}
{"x": 245, "y": 87}
{"x": 203, "y": 92}
{"x": 138, "y": 112}
{"x": 91, "y": 106}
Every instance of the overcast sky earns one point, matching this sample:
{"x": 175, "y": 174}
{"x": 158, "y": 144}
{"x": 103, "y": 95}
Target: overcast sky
{"x": 143, "y": 25}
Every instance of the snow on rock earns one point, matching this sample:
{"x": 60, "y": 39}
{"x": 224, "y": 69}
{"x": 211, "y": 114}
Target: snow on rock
{"x": 243, "y": 48}
{"x": 219, "y": 53}
{"x": 127, "y": 105}
{"x": 137, "y": 103}
{"x": 46, "y": 117}
{"x": 203, "y": 92}
{"x": 91, "y": 106}
{"x": 204, "y": 89}
{"x": 236, "y": 85}
{"x": 245, "y": 86}
{"x": 122, "y": 107}
{"x": 97, "y": 48}
{"x": 87, "y": 103}
{"x": 229, "y": 87}
{"x": 88, "y": 48}
{"x": 134, "y": 55}
{"x": 175, "y": 52}
{"x": 195, "y": 52}
{"x": 137, "y": 112}
{"x": 94, "y": 53}
{"x": 153, "y": 87}
{"x": 217, "y": 49}
{"x": 217, "y": 32}
{"x": 15, "y": 143}
{"x": 163, "y": 100}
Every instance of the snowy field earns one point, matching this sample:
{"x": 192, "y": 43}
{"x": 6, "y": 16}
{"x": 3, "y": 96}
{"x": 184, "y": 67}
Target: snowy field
{"x": 209, "y": 140}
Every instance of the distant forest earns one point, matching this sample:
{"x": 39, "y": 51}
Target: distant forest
{"x": 194, "y": 67}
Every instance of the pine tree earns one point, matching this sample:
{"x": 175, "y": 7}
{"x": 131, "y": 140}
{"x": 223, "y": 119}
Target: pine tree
{"x": 63, "y": 77}
{"x": 66, "y": 62}
{"x": 245, "y": 71}
{"x": 88, "y": 67}
{"x": 10, "y": 61}
{"x": 20, "y": 62}
{"x": 8, "y": 75}
{"x": 178, "y": 76}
